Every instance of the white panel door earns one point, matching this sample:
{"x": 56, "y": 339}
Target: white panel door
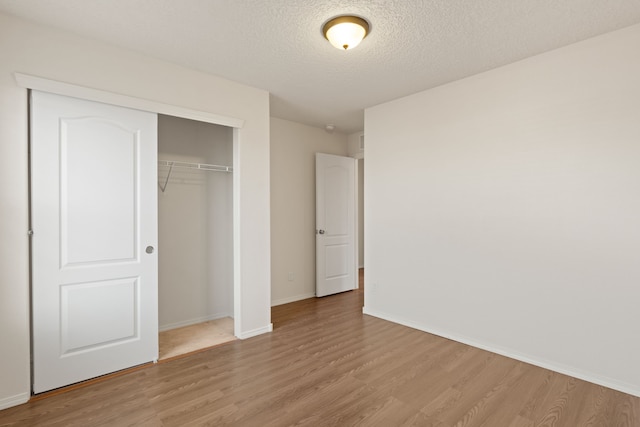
{"x": 94, "y": 221}
{"x": 335, "y": 224}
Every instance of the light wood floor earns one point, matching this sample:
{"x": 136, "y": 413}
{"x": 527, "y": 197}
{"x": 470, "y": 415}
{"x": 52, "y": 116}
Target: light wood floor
{"x": 327, "y": 364}
{"x": 180, "y": 341}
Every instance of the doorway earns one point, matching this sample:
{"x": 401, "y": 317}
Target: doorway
{"x": 95, "y": 214}
{"x": 195, "y": 235}
{"x": 336, "y": 224}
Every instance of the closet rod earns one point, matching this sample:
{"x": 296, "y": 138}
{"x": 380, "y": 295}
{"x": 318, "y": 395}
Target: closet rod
{"x": 188, "y": 165}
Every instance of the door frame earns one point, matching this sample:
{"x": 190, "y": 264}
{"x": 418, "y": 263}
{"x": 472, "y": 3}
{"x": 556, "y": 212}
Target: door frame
{"x": 60, "y": 88}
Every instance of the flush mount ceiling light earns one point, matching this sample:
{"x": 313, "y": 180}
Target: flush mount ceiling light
{"x": 345, "y": 32}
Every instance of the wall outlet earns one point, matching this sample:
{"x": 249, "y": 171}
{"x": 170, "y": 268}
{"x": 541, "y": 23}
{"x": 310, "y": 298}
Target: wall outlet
{"x": 290, "y": 276}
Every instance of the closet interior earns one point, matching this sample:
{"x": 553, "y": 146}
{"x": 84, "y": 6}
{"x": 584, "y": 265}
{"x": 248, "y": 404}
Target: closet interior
{"x": 195, "y": 235}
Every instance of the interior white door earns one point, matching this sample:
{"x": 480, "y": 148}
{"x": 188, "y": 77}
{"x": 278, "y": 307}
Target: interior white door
{"x": 94, "y": 221}
{"x": 335, "y": 224}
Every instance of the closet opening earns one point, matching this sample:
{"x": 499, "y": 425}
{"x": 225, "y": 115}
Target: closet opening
{"x": 195, "y": 235}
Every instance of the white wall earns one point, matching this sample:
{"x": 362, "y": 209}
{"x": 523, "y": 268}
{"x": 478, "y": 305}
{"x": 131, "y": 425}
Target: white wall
{"x": 56, "y": 55}
{"x": 195, "y": 216}
{"x": 354, "y": 149}
{"x": 293, "y": 205}
{"x": 361, "y": 213}
{"x": 503, "y": 210}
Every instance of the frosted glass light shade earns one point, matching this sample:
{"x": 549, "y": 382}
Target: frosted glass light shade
{"x": 346, "y": 32}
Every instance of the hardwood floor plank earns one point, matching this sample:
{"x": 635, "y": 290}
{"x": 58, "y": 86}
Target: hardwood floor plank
{"x": 516, "y": 397}
{"x": 387, "y": 411}
{"x": 485, "y": 385}
{"x": 627, "y": 410}
{"x": 426, "y": 387}
{"x": 445, "y": 386}
{"x": 327, "y": 364}
{"x": 493, "y": 400}
{"x": 556, "y": 404}
{"x": 322, "y": 404}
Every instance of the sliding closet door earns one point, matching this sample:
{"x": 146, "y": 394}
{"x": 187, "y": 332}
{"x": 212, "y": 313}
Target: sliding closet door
{"x": 94, "y": 218}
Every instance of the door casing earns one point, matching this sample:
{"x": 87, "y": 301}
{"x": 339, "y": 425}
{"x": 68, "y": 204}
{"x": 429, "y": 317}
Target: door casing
{"x": 56, "y": 87}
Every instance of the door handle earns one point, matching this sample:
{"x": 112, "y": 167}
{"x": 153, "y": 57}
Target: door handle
{"x": 149, "y": 249}
{"x": 320, "y": 231}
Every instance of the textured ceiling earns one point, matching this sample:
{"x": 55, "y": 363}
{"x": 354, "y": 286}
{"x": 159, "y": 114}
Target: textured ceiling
{"x": 277, "y": 45}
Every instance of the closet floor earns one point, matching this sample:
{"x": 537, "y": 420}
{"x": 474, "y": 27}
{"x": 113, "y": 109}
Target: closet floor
{"x": 179, "y": 341}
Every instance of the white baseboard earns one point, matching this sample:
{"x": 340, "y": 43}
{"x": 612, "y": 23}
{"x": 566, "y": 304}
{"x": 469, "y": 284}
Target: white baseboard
{"x": 292, "y": 299}
{"x": 189, "y": 322}
{"x": 553, "y": 366}
{"x": 16, "y": 400}
{"x": 255, "y": 332}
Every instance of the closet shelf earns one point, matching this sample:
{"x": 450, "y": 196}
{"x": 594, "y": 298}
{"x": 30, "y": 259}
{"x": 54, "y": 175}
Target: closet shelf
{"x": 202, "y": 166}
{"x": 187, "y": 165}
